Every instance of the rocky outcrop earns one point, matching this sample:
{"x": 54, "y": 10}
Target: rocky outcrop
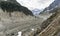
{"x": 53, "y": 28}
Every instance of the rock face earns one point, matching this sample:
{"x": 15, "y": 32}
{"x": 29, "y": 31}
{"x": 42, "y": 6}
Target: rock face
{"x": 52, "y": 6}
{"x": 53, "y": 29}
{"x": 55, "y": 4}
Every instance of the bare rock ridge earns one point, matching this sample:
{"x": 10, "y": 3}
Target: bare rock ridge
{"x": 11, "y": 6}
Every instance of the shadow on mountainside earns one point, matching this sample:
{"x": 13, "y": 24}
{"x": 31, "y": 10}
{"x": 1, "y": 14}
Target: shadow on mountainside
{"x": 10, "y": 7}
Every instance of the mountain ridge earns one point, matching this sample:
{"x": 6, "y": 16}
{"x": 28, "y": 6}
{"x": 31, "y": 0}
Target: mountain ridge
{"x": 11, "y": 6}
{"x": 52, "y": 6}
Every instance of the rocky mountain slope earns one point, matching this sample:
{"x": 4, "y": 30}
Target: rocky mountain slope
{"x": 53, "y": 28}
{"x": 21, "y": 20}
{"x": 55, "y": 4}
{"x": 52, "y": 6}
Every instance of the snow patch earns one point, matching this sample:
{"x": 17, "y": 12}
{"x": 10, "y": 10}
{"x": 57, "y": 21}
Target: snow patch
{"x": 19, "y": 33}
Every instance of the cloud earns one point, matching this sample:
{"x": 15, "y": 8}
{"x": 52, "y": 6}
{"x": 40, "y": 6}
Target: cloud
{"x": 32, "y": 4}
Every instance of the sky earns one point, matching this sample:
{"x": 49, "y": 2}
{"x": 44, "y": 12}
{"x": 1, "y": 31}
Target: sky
{"x": 33, "y": 4}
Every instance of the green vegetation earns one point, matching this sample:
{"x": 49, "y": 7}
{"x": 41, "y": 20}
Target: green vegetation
{"x": 10, "y": 7}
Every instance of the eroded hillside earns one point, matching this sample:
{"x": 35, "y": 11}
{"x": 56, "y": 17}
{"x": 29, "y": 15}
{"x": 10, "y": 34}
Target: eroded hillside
{"x": 26, "y": 24}
{"x": 53, "y": 29}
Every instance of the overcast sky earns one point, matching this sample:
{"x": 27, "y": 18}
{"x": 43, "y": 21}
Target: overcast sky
{"x": 32, "y": 4}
